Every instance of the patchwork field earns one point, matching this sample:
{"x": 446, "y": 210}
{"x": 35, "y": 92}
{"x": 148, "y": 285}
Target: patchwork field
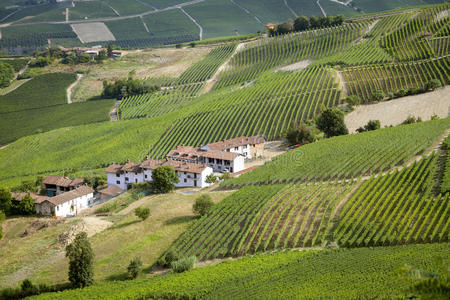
{"x": 93, "y": 32}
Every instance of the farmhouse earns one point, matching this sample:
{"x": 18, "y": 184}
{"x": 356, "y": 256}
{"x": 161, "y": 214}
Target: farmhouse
{"x": 249, "y": 147}
{"x": 189, "y": 174}
{"x": 66, "y": 204}
{"x": 56, "y": 185}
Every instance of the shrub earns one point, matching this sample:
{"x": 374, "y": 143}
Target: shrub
{"x": 433, "y": 84}
{"x": 378, "y": 95}
{"x": 25, "y": 75}
{"x": 211, "y": 178}
{"x": 400, "y": 93}
{"x": 142, "y": 213}
{"x": 353, "y": 100}
{"x": 167, "y": 259}
{"x": 371, "y": 125}
{"x": 184, "y": 264}
{"x": 134, "y": 268}
{"x": 299, "y": 134}
{"x": 6, "y": 75}
{"x": 411, "y": 120}
{"x": 203, "y": 205}
{"x": 225, "y": 176}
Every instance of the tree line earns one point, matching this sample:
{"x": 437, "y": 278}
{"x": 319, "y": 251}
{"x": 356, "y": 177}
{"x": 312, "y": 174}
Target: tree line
{"x": 303, "y": 23}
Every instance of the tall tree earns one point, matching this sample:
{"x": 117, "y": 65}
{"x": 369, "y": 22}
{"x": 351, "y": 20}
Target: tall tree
{"x": 26, "y": 206}
{"x": 331, "y": 122}
{"x": 163, "y": 179}
{"x": 81, "y": 261}
{"x": 301, "y": 23}
{"x": 5, "y": 200}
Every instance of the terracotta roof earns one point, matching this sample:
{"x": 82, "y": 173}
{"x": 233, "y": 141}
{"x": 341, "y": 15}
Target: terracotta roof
{"x": 131, "y": 167}
{"x": 191, "y": 153}
{"x": 111, "y": 191}
{"x": 176, "y": 165}
{"x": 236, "y": 142}
{"x": 62, "y": 181}
{"x": 71, "y": 195}
{"x": 114, "y": 168}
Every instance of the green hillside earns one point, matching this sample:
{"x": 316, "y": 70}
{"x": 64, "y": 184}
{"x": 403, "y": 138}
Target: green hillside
{"x": 344, "y": 274}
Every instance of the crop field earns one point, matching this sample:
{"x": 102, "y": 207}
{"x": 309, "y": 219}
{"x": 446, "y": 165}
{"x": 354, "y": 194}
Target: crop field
{"x": 267, "y": 11}
{"x": 343, "y": 274}
{"x": 41, "y": 91}
{"x": 171, "y": 23}
{"x": 391, "y": 78}
{"x": 90, "y": 10}
{"x": 259, "y": 219}
{"x": 93, "y": 32}
{"x": 347, "y": 156}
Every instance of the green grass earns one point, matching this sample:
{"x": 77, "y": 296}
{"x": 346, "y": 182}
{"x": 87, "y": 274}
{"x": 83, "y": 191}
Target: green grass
{"x": 170, "y": 23}
{"x": 17, "y": 64}
{"x": 128, "y": 7}
{"x": 37, "y": 120}
{"x": 41, "y": 91}
{"x": 343, "y": 274}
{"x": 90, "y": 10}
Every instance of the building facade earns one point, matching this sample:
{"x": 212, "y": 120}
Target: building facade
{"x": 249, "y": 147}
{"x": 57, "y": 185}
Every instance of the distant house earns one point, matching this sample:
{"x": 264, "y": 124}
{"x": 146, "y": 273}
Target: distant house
{"x": 270, "y": 27}
{"x": 249, "y": 147}
{"x": 70, "y": 203}
{"x": 119, "y": 53}
{"x": 110, "y": 192}
{"x": 189, "y": 174}
{"x": 56, "y": 185}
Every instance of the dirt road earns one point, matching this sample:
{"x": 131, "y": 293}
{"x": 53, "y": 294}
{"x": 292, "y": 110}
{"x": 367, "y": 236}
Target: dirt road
{"x": 396, "y": 111}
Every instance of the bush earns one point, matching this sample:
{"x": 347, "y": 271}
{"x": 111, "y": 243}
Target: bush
{"x": 299, "y": 134}
{"x": 353, "y": 100}
{"x": 40, "y": 62}
{"x": 400, "y": 93}
{"x": 211, "y": 178}
{"x": 167, "y": 259}
{"x": 378, "y": 95}
{"x": 6, "y": 75}
{"x": 134, "y": 268}
{"x": 225, "y": 176}
{"x": 142, "y": 213}
{"x": 411, "y": 120}
{"x": 371, "y": 125}
{"x": 202, "y": 205}
{"x": 433, "y": 84}
{"x": 25, "y": 75}
{"x": 184, "y": 264}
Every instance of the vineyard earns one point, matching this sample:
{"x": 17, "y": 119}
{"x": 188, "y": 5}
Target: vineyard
{"x": 347, "y": 156}
{"x": 343, "y": 274}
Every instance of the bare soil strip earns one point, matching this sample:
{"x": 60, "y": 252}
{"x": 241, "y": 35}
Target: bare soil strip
{"x": 69, "y": 89}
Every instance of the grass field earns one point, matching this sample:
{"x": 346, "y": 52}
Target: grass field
{"x": 344, "y": 274}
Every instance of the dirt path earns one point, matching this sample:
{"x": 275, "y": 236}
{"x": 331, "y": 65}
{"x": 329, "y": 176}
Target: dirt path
{"x": 394, "y": 112}
{"x": 290, "y": 9}
{"x": 4, "y": 146}
{"x": 247, "y": 12}
{"x": 69, "y": 89}
{"x": 113, "y": 112}
{"x": 193, "y": 20}
{"x": 212, "y": 81}
{"x": 321, "y": 8}
{"x": 298, "y": 66}
{"x": 15, "y": 85}
{"x": 341, "y": 83}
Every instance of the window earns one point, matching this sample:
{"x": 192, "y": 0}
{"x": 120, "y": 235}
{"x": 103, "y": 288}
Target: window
{"x": 146, "y": 176}
{"x": 118, "y": 181}
{"x": 245, "y": 147}
{"x": 185, "y": 180}
{"x": 195, "y": 175}
{"x": 135, "y": 180}
{"x": 57, "y": 208}
{"x": 126, "y": 179}
{"x": 135, "y": 173}
{"x": 236, "y": 148}
{"x": 117, "y": 175}
{"x": 184, "y": 173}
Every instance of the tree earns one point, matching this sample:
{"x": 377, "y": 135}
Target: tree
{"x": 6, "y": 75}
{"x": 284, "y": 28}
{"x": 299, "y": 134}
{"x": 109, "y": 51}
{"x": 433, "y": 84}
{"x": 134, "y": 268}
{"x": 5, "y": 200}
{"x": 163, "y": 179}
{"x": 202, "y": 205}
{"x": 371, "y": 125}
{"x": 101, "y": 56}
{"x": 167, "y": 259}
{"x": 331, "y": 122}
{"x": 26, "y": 206}
{"x": 142, "y": 213}
{"x": 211, "y": 178}
{"x": 314, "y": 22}
{"x": 81, "y": 261}
{"x": 337, "y": 20}
{"x": 184, "y": 264}
{"x": 225, "y": 176}
{"x": 301, "y": 23}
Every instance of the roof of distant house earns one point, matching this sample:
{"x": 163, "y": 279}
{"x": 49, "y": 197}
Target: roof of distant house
{"x": 191, "y": 153}
{"x": 131, "y": 167}
{"x": 70, "y": 195}
{"x": 236, "y": 142}
{"x": 176, "y": 165}
{"x": 114, "y": 168}
{"x": 62, "y": 181}
{"x": 111, "y": 191}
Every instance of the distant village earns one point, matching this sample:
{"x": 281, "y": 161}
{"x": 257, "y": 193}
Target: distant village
{"x": 65, "y": 197}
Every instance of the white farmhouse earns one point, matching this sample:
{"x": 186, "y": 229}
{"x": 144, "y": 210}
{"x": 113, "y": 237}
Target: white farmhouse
{"x": 189, "y": 174}
{"x": 249, "y": 147}
{"x": 67, "y": 204}
{"x": 219, "y": 161}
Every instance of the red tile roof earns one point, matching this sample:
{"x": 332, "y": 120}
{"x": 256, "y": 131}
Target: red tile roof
{"x": 70, "y": 195}
{"x": 236, "y": 142}
{"x": 191, "y": 153}
{"x": 111, "y": 191}
{"x": 62, "y": 181}
{"x": 114, "y": 168}
{"x": 176, "y": 165}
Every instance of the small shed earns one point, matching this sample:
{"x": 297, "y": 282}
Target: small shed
{"x": 110, "y": 192}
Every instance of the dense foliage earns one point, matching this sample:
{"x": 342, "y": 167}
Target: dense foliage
{"x": 123, "y": 88}
{"x": 6, "y": 75}
{"x": 163, "y": 178}
{"x": 81, "y": 261}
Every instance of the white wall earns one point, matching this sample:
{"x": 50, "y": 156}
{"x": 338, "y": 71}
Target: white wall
{"x": 112, "y": 180}
{"x": 78, "y": 205}
{"x": 242, "y": 150}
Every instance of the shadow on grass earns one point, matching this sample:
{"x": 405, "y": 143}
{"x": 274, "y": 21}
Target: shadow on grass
{"x": 124, "y": 224}
{"x": 180, "y": 220}
{"x": 118, "y": 277}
